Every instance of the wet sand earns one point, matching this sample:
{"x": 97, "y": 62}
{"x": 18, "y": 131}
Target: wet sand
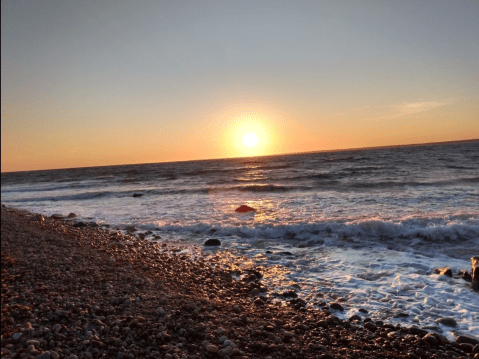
{"x": 82, "y": 292}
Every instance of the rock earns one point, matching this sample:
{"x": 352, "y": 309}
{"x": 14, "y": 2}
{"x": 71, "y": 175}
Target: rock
{"x": 466, "y": 339}
{"x": 245, "y": 208}
{"x": 431, "y": 339}
{"x": 289, "y": 294}
{"x": 16, "y": 336}
{"x": 57, "y": 216}
{"x": 355, "y": 317}
{"x": 476, "y": 349}
{"x": 118, "y": 245}
{"x": 336, "y": 306}
{"x": 362, "y": 310}
{"x": 80, "y": 224}
{"x": 464, "y": 274}
{"x": 131, "y": 229}
{"x": 136, "y": 195}
{"x": 450, "y": 322}
{"x": 444, "y": 271}
{"x": 370, "y": 326}
{"x": 71, "y": 215}
{"x": 44, "y": 355}
{"x": 475, "y": 273}
{"x": 212, "y": 349}
{"x": 213, "y": 242}
{"x": 38, "y": 218}
{"x": 258, "y": 301}
{"x": 466, "y": 347}
{"x": 54, "y": 355}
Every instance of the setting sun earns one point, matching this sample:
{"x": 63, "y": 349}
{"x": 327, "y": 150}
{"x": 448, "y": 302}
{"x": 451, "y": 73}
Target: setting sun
{"x": 250, "y": 139}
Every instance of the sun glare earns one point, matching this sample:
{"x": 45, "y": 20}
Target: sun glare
{"x": 250, "y": 139}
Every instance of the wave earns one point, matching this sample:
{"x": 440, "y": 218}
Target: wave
{"x": 430, "y": 234}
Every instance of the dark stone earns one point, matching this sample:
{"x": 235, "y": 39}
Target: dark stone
{"x": 450, "y": 322}
{"x": 417, "y": 331}
{"x": 258, "y": 301}
{"x": 289, "y": 294}
{"x": 80, "y": 224}
{"x": 213, "y": 242}
{"x": 370, "y": 326}
{"x": 363, "y": 310}
{"x": 355, "y": 317}
{"x": 464, "y": 274}
{"x": 136, "y": 195}
{"x": 444, "y": 271}
{"x": 255, "y": 272}
{"x": 72, "y": 215}
{"x": 245, "y": 208}
{"x": 466, "y": 339}
{"x": 475, "y": 273}
{"x": 336, "y": 306}
{"x": 466, "y": 347}
{"x": 286, "y": 253}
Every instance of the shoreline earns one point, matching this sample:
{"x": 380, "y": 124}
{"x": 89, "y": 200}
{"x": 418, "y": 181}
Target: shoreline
{"x": 91, "y": 292}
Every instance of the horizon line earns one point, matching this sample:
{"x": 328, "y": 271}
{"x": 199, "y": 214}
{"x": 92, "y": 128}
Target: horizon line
{"x": 271, "y": 155}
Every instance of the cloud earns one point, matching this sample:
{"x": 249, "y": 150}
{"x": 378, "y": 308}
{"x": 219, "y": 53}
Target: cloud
{"x": 412, "y": 108}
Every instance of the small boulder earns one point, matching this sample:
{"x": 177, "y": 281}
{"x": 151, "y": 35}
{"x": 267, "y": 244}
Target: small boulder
{"x": 444, "y": 271}
{"x": 80, "y": 224}
{"x": 212, "y": 349}
{"x": 131, "y": 229}
{"x": 72, "y": 215}
{"x": 336, "y": 306}
{"x": 136, "y": 195}
{"x": 466, "y": 339}
{"x": 57, "y": 216}
{"x": 213, "y": 242}
{"x": 464, "y": 274}
{"x": 38, "y": 218}
{"x": 245, "y": 208}
{"x": 450, "y": 322}
{"x": 431, "y": 339}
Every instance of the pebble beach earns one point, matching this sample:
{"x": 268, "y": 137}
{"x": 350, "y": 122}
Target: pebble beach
{"x": 85, "y": 292}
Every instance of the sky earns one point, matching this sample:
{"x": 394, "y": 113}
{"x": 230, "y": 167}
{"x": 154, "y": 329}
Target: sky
{"x": 94, "y": 83}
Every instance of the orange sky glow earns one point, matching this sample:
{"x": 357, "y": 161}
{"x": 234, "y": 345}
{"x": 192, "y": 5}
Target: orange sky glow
{"x": 171, "y": 84}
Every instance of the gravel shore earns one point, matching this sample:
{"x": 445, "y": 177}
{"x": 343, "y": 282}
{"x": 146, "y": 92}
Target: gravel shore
{"x": 84, "y": 292}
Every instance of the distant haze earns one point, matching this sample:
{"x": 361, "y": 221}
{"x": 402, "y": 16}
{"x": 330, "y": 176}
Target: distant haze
{"x": 88, "y": 83}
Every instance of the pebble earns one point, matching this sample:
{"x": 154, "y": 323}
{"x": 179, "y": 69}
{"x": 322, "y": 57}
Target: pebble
{"x": 212, "y": 349}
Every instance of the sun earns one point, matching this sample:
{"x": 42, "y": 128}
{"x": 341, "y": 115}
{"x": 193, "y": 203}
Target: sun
{"x": 250, "y": 139}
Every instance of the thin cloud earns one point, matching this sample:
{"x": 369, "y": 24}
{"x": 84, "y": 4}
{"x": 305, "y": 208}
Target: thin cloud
{"x": 413, "y": 108}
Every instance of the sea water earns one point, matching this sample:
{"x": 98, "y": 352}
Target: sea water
{"x": 366, "y": 227}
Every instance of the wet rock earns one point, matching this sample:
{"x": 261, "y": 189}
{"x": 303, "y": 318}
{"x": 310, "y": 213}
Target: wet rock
{"x": 431, "y": 339}
{"x": 450, "y": 322}
{"x": 57, "y": 216}
{"x": 464, "y": 274}
{"x": 131, "y": 229}
{"x": 466, "y": 339}
{"x": 475, "y": 273}
{"x": 136, "y": 195}
{"x": 355, "y": 317}
{"x": 362, "y": 310}
{"x": 289, "y": 294}
{"x": 70, "y": 215}
{"x": 370, "y": 326}
{"x": 466, "y": 347}
{"x": 16, "y": 336}
{"x": 444, "y": 271}
{"x": 213, "y": 242}
{"x": 245, "y": 208}
{"x": 336, "y": 306}
{"x": 80, "y": 225}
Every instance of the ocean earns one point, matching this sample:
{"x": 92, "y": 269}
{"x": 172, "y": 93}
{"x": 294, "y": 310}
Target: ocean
{"x": 365, "y": 228}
